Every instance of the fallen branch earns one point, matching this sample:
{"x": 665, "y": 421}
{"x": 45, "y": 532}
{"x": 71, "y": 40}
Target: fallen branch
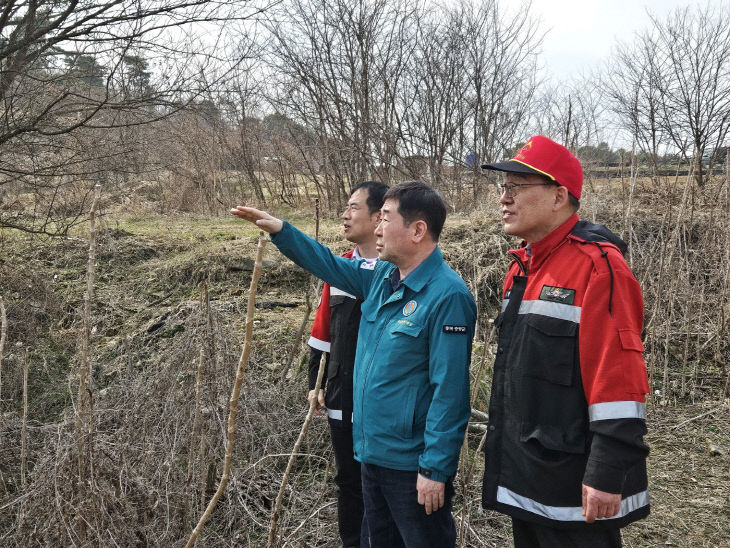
{"x": 302, "y": 434}
{"x": 305, "y": 520}
{"x": 248, "y": 342}
{"x": 710, "y": 412}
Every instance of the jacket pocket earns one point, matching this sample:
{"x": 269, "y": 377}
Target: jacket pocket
{"x": 570, "y": 439}
{"x": 369, "y": 310}
{"x": 550, "y": 349}
{"x": 408, "y": 412}
{"x": 630, "y": 340}
{"x": 634, "y": 367}
{"x": 406, "y": 327}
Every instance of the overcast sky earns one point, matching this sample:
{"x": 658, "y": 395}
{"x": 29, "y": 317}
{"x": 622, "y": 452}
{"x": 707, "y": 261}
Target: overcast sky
{"x": 581, "y": 33}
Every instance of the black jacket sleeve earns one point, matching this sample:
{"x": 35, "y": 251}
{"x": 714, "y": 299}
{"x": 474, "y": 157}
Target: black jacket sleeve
{"x": 314, "y": 358}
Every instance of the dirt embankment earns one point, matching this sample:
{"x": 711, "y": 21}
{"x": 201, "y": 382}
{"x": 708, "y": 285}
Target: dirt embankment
{"x": 153, "y": 471}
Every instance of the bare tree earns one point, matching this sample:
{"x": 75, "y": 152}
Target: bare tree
{"x": 674, "y": 81}
{"x": 338, "y": 66}
{"x": 697, "y": 95}
{"x": 502, "y": 59}
{"x": 383, "y": 87}
{"x": 69, "y": 70}
{"x": 633, "y": 85}
{"x": 435, "y": 94}
{"x": 570, "y": 112}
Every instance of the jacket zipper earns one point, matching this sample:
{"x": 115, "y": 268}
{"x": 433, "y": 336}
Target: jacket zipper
{"x": 367, "y": 377}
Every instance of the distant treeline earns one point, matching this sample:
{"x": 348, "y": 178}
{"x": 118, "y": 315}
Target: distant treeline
{"x": 331, "y": 93}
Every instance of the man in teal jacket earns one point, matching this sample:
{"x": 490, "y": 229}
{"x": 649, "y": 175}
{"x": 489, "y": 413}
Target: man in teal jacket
{"x": 411, "y": 380}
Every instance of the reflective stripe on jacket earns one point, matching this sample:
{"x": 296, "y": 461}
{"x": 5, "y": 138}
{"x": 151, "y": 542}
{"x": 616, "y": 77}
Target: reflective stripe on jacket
{"x": 336, "y": 324}
{"x": 567, "y": 402}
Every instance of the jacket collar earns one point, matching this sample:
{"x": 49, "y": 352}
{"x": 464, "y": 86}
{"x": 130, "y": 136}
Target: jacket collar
{"x": 422, "y": 273}
{"x": 540, "y": 250}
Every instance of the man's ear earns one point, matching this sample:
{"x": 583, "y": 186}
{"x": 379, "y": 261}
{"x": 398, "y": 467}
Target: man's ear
{"x": 561, "y": 198}
{"x": 420, "y": 230}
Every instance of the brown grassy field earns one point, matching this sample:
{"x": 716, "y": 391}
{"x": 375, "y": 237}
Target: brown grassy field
{"x": 152, "y": 474}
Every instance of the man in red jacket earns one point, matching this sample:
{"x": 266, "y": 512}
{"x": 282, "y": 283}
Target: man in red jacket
{"x": 335, "y": 331}
{"x": 564, "y": 453}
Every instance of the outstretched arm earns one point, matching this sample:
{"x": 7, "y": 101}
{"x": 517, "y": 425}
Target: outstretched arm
{"x": 263, "y": 220}
{"x": 308, "y": 253}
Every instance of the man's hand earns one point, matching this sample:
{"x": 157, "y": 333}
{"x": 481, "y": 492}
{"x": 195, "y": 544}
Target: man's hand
{"x": 319, "y": 404}
{"x": 430, "y": 493}
{"x": 599, "y": 504}
{"x": 263, "y": 220}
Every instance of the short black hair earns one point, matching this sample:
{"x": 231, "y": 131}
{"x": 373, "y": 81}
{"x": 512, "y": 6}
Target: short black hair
{"x": 376, "y": 192}
{"x": 574, "y": 202}
{"x": 418, "y": 201}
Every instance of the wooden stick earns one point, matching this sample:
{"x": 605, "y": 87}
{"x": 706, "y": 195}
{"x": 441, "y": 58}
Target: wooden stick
{"x": 24, "y": 430}
{"x": 302, "y": 434}
{"x": 24, "y": 437}
{"x": 193, "y": 449}
{"x": 233, "y": 407}
{"x": 3, "y": 336}
{"x": 466, "y": 471}
{"x": 82, "y": 401}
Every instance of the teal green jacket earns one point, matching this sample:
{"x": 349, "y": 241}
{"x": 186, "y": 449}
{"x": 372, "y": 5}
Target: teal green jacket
{"x": 411, "y": 378}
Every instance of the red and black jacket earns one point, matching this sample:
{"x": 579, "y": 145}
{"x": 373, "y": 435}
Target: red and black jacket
{"x": 567, "y": 402}
{"x": 334, "y": 331}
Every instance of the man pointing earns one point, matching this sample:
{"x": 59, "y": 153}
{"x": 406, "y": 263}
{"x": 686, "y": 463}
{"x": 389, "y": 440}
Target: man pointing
{"x": 411, "y": 378}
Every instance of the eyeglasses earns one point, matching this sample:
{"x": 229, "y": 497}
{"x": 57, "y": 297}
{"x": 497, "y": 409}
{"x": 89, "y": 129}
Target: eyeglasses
{"x": 511, "y": 189}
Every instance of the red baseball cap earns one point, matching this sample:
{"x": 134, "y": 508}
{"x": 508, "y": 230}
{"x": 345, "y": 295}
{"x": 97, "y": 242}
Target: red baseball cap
{"x": 542, "y": 156}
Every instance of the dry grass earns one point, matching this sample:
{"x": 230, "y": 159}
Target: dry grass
{"x": 149, "y": 325}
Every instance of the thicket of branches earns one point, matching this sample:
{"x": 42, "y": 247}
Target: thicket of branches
{"x": 288, "y": 100}
{"x": 79, "y": 79}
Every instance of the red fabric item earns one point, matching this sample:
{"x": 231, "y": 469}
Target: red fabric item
{"x": 611, "y": 361}
{"x": 320, "y": 335}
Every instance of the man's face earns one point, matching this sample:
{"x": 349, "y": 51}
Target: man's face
{"x": 528, "y": 215}
{"x": 358, "y": 223}
{"x": 393, "y": 235}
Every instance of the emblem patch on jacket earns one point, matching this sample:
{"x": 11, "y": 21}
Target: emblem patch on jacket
{"x": 409, "y": 308}
{"x": 557, "y": 294}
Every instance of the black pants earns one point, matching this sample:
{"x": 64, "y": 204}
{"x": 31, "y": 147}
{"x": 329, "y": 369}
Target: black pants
{"x": 532, "y": 535}
{"x": 394, "y": 517}
{"x": 349, "y": 484}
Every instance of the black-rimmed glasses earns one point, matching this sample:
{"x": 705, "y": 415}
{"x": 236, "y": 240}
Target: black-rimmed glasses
{"x": 511, "y": 189}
